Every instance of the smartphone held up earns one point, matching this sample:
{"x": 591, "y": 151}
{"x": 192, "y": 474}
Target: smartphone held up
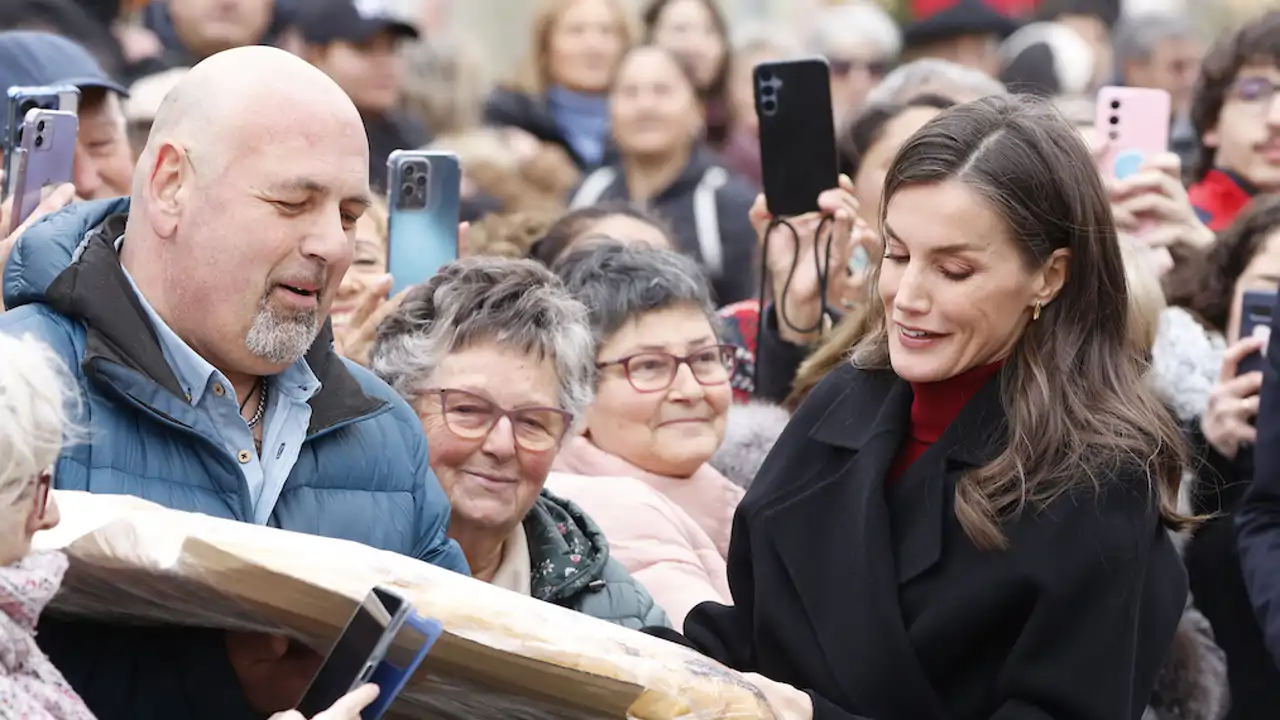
{"x": 44, "y": 160}
{"x": 797, "y": 133}
{"x": 20, "y": 102}
{"x": 1134, "y": 125}
{"x": 425, "y": 197}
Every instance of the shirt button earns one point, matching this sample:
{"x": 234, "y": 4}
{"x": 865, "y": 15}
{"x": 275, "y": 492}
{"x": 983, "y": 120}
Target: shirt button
{"x": 244, "y": 457}
{"x": 219, "y": 390}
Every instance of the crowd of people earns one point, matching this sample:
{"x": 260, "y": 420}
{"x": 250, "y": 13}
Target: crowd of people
{"x": 984, "y": 437}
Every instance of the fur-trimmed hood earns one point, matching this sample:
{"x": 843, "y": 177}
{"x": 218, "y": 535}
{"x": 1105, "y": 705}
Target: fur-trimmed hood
{"x": 1185, "y": 362}
{"x": 749, "y": 435}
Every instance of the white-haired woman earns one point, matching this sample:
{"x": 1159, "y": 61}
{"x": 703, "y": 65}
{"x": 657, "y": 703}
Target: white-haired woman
{"x": 862, "y": 43}
{"x": 498, "y": 360}
{"x": 35, "y": 396}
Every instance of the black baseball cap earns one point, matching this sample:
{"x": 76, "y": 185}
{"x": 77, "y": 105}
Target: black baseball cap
{"x": 321, "y": 22}
{"x": 29, "y": 58}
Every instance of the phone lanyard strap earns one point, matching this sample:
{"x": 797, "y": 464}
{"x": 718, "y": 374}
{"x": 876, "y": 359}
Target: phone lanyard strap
{"x": 822, "y": 264}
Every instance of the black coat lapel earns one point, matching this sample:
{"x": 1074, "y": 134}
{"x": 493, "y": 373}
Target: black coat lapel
{"x": 922, "y": 500}
{"x": 835, "y": 541}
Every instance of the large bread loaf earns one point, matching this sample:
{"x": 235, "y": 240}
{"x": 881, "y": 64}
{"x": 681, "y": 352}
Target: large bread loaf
{"x": 503, "y": 655}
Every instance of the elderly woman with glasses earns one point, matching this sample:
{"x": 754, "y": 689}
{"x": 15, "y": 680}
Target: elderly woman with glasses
{"x": 663, "y": 393}
{"x": 497, "y": 360}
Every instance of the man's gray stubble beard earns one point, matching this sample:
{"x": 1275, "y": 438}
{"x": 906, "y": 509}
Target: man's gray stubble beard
{"x": 281, "y": 338}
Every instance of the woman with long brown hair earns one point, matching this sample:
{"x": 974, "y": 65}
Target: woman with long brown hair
{"x": 969, "y": 521}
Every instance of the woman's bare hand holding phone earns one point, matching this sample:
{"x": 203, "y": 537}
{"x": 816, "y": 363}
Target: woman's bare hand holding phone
{"x": 1153, "y": 206}
{"x": 802, "y": 299}
{"x": 1227, "y": 423}
{"x": 348, "y": 708}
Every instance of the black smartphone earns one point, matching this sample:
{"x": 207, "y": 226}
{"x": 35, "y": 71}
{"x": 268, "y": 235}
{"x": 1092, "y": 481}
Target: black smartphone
{"x": 797, "y": 133}
{"x": 358, "y": 651}
{"x": 1255, "y": 321}
{"x": 20, "y": 101}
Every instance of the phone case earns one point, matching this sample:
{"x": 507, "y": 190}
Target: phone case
{"x": 1256, "y": 309}
{"x": 797, "y": 133}
{"x": 357, "y": 652}
{"x": 1135, "y": 123}
{"x": 47, "y": 158}
{"x": 391, "y": 675}
{"x": 424, "y": 189}
{"x": 22, "y": 100}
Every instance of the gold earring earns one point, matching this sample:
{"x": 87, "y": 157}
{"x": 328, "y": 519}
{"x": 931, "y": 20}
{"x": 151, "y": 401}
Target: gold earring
{"x": 1035, "y": 311}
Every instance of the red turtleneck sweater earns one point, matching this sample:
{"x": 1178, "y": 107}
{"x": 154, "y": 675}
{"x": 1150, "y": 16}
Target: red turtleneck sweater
{"x": 933, "y": 408}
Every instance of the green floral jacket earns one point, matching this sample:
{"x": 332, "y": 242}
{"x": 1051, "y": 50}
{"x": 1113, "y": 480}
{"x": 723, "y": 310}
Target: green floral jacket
{"x": 572, "y": 567}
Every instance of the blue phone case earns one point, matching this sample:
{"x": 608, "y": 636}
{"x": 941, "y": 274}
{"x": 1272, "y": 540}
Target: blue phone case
{"x": 391, "y": 678}
{"x": 423, "y": 226}
{"x": 1255, "y": 313}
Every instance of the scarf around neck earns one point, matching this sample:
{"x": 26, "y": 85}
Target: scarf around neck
{"x": 31, "y": 688}
{"x": 707, "y": 496}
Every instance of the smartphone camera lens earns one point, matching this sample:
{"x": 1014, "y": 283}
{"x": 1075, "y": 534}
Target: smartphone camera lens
{"x": 1115, "y": 104}
{"x": 766, "y": 77}
{"x": 407, "y": 190}
{"x": 770, "y": 105}
{"x": 421, "y": 180}
{"x": 40, "y": 126}
{"x": 39, "y": 141}
{"x": 1115, "y": 120}
{"x": 409, "y": 170}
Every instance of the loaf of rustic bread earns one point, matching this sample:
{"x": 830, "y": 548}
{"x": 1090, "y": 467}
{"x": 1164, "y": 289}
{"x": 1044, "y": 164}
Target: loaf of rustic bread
{"x": 503, "y": 655}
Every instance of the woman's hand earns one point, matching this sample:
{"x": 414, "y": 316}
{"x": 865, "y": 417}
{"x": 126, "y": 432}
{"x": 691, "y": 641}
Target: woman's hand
{"x": 1228, "y": 421}
{"x": 355, "y": 339}
{"x": 348, "y": 708}
{"x": 799, "y": 305}
{"x": 787, "y": 702}
{"x": 1153, "y": 207}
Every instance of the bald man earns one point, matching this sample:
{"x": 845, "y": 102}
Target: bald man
{"x": 193, "y": 316}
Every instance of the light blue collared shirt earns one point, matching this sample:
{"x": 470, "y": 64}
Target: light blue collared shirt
{"x": 284, "y": 427}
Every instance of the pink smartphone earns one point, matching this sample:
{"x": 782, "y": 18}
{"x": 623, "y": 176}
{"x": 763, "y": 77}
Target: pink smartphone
{"x": 46, "y": 159}
{"x": 1134, "y": 122}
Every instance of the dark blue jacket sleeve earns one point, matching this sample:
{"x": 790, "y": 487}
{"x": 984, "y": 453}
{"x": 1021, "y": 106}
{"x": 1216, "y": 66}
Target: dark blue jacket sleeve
{"x": 146, "y": 673}
{"x": 1258, "y": 521}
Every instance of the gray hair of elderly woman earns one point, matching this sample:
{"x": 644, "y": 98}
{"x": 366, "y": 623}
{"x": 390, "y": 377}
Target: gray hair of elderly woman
{"x": 37, "y": 399}
{"x": 939, "y": 77}
{"x": 518, "y": 304}
{"x": 619, "y": 282}
{"x": 860, "y": 22}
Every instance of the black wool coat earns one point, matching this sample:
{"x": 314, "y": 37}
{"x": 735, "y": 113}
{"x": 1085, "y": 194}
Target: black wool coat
{"x": 871, "y": 598}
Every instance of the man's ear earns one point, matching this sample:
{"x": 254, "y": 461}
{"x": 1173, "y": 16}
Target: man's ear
{"x": 168, "y": 186}
{"x": 1053, "y": 276}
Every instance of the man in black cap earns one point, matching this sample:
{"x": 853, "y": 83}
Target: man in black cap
{"x": 357, "y": 42}
{"x": 965, "y": 32}
{"x": 104, "y": 159}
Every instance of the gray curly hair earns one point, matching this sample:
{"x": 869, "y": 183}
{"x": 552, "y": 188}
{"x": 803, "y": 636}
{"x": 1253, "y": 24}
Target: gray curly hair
{"x": 516, "y": 303}
{"x": 618, "y": 282}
